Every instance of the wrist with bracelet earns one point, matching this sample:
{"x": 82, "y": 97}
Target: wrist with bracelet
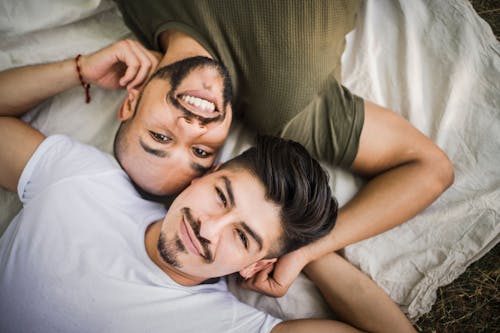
{"x": 85, "y": 85}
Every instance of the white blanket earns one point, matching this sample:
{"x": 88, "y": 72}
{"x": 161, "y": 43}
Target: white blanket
{"x": 434, "y": 62}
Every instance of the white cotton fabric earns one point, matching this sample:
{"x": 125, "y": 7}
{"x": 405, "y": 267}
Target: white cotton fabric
{"x": 434, "y": 62}
{"x": 437, "y": 63}
{"x": 74, "y": 259}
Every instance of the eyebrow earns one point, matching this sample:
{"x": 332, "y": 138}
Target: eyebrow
{"x": 152, "y": 151}
{"x": 199, "y": 168}
{"x": 253, "y": 234}
{"x": 229, "y": 190}
{"x": 162, "y": 154}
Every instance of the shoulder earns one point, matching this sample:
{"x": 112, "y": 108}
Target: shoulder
{"x": 61, "y": 150}
{"x": 59, "y": 157}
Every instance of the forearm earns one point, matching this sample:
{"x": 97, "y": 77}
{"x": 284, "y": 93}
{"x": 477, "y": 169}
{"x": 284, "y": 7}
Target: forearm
{"x": 354, "y": 297}
{"x": 386, "y": 201}
{"x": 313, "y": 325}
{"x": 25, "y": 87}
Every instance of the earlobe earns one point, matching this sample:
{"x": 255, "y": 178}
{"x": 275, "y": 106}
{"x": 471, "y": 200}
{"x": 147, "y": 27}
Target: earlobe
{"x": 128, "y": 106}
{"x": 215, "y": 167}
{"x": 256, "y": 267}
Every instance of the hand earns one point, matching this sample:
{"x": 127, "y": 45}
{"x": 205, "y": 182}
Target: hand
{"x": 123, "y": 64}
{"x": 275, "y": 279}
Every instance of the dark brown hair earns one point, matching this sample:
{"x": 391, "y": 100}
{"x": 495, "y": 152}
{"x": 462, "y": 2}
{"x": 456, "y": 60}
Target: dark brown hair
{"x": 295, "y": 182}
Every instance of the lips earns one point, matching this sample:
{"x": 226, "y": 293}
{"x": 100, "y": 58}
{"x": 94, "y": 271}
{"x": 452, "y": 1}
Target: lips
{"x": 200, "y": 102}
{"x": 190, "y": 240}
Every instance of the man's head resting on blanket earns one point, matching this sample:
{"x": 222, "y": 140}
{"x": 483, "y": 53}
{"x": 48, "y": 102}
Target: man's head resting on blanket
{"x": 241, "y": 216}
{"x": 173, "y": 128}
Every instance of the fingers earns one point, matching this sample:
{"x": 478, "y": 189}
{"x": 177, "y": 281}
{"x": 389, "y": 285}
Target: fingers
{"x": 123, "y": 64}
{"x": 263, "y": 282}
{"x": 140, "y": 62}
{"x": 263, "y": 275}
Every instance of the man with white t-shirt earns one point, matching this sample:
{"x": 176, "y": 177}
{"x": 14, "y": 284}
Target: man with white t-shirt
{"x": 88, "y": 254}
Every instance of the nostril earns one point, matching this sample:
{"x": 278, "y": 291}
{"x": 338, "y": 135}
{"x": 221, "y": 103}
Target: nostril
{"x": 196, "y": 123}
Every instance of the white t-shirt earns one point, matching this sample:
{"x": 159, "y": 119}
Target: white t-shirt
{"x": 74, "y": 260}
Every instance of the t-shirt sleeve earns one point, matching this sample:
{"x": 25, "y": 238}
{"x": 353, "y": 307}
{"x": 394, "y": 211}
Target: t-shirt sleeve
{"x": 56, "y": 158}
{"x": 330, "y": 126}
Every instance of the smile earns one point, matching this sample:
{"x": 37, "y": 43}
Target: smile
{"x": 199, "y": 102}
{"x": 189, "y": 239}
{"x": 207, "y": 106}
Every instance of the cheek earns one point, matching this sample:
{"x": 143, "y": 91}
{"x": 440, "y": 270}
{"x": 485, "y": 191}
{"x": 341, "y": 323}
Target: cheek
{"x": 231, "y": 252}
{"x": 217, "y": 134}
{"x": 174, "y": 176}
{"x": 176, "y": 186}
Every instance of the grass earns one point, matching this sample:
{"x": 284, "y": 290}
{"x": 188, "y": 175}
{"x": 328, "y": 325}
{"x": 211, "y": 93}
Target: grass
{"x": 471, "y": 304}
{"x": 489, "y": 10}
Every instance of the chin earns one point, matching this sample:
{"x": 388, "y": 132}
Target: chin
{"x": 155, "y": 195}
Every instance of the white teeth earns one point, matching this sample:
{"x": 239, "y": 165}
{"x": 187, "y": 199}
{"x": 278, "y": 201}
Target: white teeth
{"x": 198, "y": 102}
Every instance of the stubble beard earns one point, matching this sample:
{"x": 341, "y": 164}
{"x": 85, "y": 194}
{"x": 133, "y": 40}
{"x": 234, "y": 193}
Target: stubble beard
{"x": 169, "y": 249}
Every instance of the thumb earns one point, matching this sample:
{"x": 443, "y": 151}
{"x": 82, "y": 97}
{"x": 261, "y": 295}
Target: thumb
{"x": 263, "y": 275}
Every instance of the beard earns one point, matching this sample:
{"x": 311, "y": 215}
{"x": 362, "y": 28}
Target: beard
{"x": 169, "y": 249}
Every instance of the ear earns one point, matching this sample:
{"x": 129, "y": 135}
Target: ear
{"x": 128, "y": 106}
{"x": 215, "y": 167}
{"x": 256, "y": 267}
{"x": 194, "y": 180}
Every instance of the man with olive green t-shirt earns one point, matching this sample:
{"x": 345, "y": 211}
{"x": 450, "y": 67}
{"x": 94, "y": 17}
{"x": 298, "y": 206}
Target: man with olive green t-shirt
{"x": 283, "y": 58}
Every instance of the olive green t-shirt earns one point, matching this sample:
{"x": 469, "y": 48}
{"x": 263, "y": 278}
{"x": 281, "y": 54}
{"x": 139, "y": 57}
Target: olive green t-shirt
{"x": 284, "y": 60}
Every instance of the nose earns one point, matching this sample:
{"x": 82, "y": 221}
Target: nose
{"x": 191, "y": 127}
{"x": 213, "y": 226}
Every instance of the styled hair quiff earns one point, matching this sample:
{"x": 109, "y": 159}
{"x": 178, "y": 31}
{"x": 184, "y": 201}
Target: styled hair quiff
{"x": 297, "y": 184}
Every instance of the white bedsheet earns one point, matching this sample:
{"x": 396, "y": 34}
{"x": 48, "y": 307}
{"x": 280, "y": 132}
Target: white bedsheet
{"x": 434, "y": 62}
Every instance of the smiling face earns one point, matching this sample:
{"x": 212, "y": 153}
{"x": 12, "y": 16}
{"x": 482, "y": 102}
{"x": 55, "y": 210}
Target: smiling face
{"x": 173, "y": 130}
{"x": 221, "y": 224}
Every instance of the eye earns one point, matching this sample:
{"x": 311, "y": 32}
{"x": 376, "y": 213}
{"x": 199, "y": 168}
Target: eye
{"x": 159, "y": 137}
{"x": 201, "y": 153}
{"x": 221, "y": 196}
{"x": 243, "y": 238}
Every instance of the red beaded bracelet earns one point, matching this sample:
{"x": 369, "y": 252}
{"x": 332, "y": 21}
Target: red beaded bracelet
{"x": 85, "y": 86}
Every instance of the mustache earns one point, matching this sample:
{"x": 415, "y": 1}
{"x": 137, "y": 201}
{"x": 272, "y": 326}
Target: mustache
{"x": 195, "y": 225}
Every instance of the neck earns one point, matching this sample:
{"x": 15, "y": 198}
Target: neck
{"x": 151, "y": 243}
{"x": 179, "y": 45}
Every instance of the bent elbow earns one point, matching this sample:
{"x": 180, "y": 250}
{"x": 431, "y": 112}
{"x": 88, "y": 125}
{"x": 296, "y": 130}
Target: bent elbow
{"x": 443, "y": 170}
{"x": 450, "y": 173}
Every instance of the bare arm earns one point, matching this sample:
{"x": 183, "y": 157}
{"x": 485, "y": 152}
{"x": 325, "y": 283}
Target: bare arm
{"x": 353, "y": 297}
{"x": 122, "y": 64}
{"x": 18, "y": 141}
{"x": 25, "y": 87}
{"x": 409, "y": 172}
{"x": 125, "y": 63}
{"x": 313, "y": 325}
